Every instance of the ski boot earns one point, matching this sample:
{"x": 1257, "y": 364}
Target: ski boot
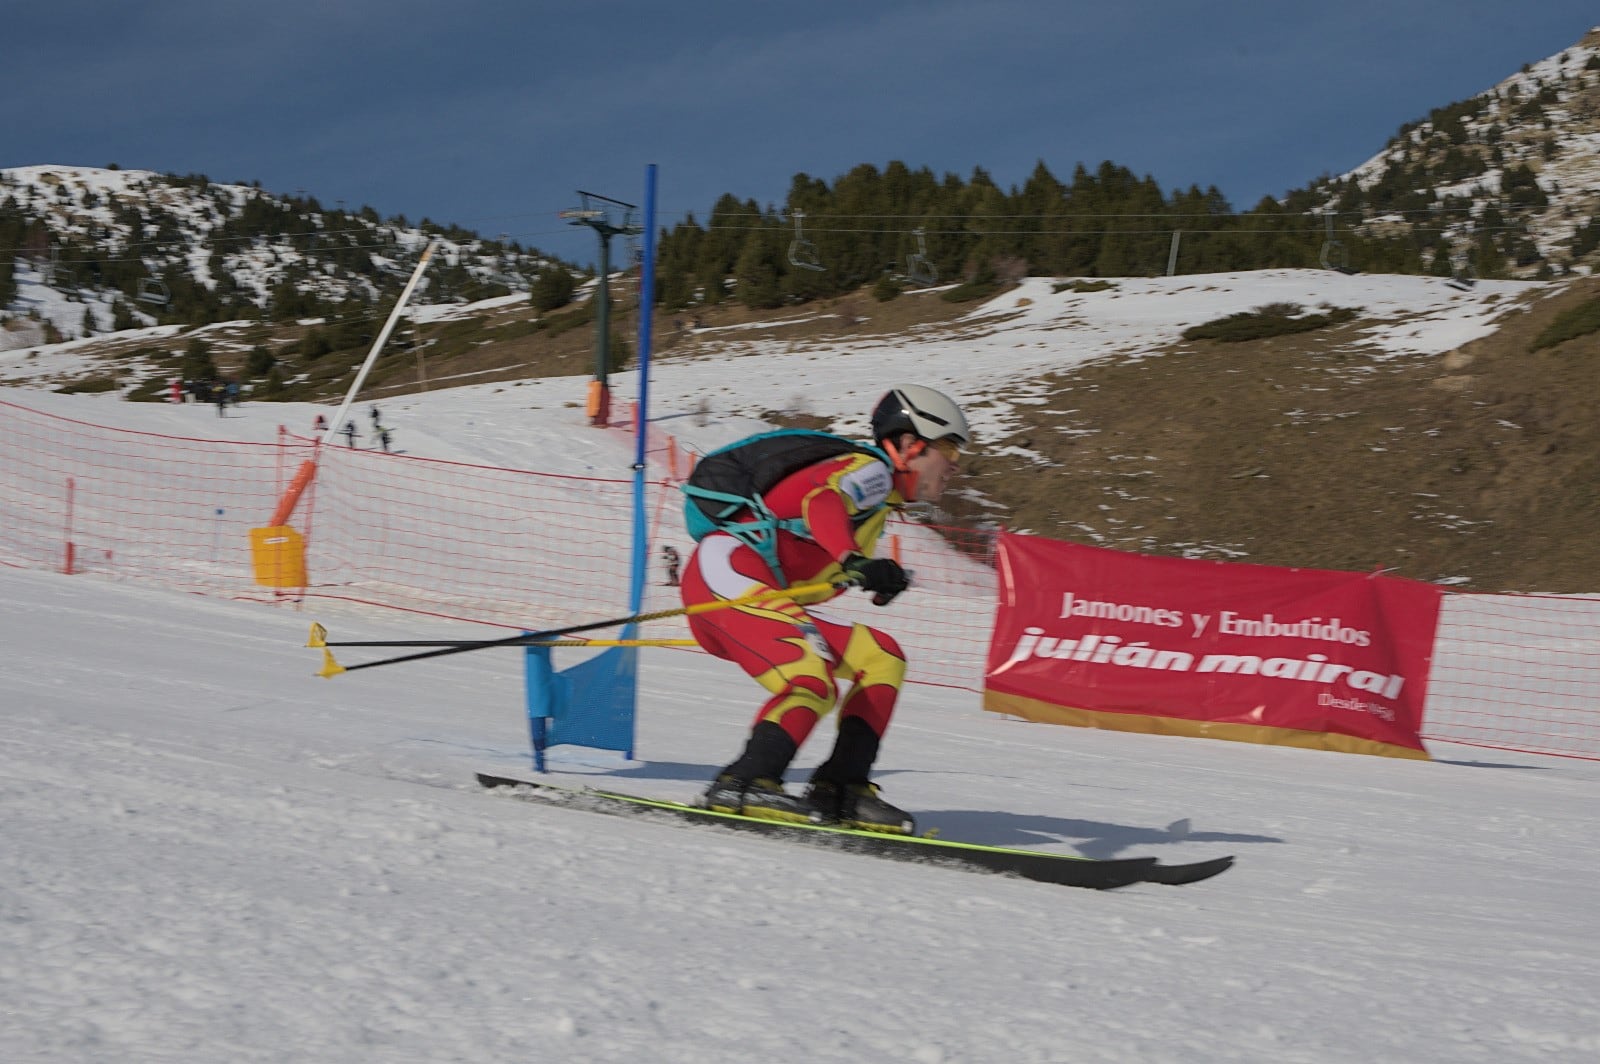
{"x": 761, "y": 799}
{"x": 859, "y": 806}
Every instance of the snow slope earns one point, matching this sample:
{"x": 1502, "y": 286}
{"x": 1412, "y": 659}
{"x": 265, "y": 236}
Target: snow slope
{"x": 214, "y": 855}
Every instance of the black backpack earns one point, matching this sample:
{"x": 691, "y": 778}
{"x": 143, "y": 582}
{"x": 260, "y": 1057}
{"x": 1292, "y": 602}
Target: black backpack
{"x": 735, "y": 477}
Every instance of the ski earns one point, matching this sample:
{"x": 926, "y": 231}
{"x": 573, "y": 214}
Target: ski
{"x": 1059, "y": 869}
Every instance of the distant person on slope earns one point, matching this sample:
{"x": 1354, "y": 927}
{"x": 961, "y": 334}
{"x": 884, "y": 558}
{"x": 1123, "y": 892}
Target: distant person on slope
{"x": 839, "y": 506}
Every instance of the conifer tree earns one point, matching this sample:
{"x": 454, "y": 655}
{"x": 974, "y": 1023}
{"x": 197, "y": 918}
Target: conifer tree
{"x": 756, "y": 274}
{"x": 197, "y": 364}
{"x": 553, "y": 288}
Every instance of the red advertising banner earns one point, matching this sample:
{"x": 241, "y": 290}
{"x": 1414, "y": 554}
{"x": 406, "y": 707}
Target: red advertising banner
{"x": 1297, "y": 657}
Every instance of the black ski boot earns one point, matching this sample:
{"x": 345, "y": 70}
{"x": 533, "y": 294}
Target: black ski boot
{"x": 859, "y": 806}
{"x": 753, "y": 785}
{"x": 839, "y": 789}
{"x": 762, "y": 799}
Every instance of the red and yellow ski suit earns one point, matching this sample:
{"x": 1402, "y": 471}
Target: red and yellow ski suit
{"x": 795, "y": 651}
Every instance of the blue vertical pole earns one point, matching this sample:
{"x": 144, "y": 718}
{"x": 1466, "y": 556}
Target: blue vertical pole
{"x": 594, "y": 703}
{"x": 540, "y": 687}
{"x": 647, "y": 294}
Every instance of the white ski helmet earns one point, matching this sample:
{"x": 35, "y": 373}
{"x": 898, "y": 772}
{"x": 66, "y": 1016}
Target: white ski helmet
{"x": 921, "y": 411}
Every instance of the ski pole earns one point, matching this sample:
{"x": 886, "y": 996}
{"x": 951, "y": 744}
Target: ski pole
{"x": 331, "y": 668}
{"x": 616, "y": 643}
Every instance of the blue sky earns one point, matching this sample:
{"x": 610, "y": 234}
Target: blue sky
{"x": 490, "y": 115}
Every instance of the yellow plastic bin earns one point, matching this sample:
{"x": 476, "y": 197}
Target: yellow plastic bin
{"x": 278, "y": 555}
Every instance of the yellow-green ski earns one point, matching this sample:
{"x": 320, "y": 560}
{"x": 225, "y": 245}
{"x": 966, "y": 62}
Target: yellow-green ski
{"x": 1061, "y": 869}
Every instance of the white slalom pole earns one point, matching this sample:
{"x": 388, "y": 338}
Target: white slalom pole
{"x": 377, "y": 345}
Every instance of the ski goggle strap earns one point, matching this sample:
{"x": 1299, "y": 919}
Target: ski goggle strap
{"x": 904, "y": 477}
{"x": 945, "y": 445}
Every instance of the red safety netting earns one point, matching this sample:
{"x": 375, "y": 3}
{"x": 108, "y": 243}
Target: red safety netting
{"x": 171, "y": 510}
{"x": 525, "y": 549}
{"x": 510, "y": 547}
{"x": 1517, "y": 672}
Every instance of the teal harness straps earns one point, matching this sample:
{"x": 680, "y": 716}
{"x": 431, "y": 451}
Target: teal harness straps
{"x": 725, "y": 493}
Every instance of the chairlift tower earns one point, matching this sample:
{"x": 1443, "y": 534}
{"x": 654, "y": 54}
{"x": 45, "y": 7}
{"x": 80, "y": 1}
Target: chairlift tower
{"x": 596, "y": 213}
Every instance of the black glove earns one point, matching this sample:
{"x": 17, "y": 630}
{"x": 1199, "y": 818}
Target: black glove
{"x": 882, "y": 576}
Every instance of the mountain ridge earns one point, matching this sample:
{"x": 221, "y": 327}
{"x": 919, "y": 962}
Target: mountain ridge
{"x": 1463, "y": 460}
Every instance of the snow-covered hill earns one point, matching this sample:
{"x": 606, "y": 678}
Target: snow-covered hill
{"x": 104, "y": 239}
{"x": 1518, "y": 164}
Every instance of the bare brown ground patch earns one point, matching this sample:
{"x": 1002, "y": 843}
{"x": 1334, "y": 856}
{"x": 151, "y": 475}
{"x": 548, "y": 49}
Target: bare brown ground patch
{"x": 1481, "y": 465}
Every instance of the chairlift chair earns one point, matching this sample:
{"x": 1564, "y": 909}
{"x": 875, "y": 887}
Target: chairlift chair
{"x": 56, "y": 275}
{"x": 920, "y": 269}
{"x": 802, "y": 252}
{"x": 154, "y": 291}
{"x": 1336, "y": 257}
{"x": 1463, "y": 276}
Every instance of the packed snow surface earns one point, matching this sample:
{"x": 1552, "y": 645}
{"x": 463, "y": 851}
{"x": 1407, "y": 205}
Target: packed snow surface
{"x": 212, "y": 854}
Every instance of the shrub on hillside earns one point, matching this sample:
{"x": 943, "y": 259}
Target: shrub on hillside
{"x": 553, "y": 288}
{"x": 1580, "y": 320}
{"x": 886, "y": 289}
{"x": 89, "y": 386}
{"x": 1273, "y": 319}
{"x": 197, "y": 363}
{"x": 260, "y": 362}
{"x": 315, "y": 344}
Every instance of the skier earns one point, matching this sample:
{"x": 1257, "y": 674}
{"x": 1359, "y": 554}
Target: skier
{"x": 797, "y": 652}
{"x": 349, "y": 433}
{"x": 670, "y": 561}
